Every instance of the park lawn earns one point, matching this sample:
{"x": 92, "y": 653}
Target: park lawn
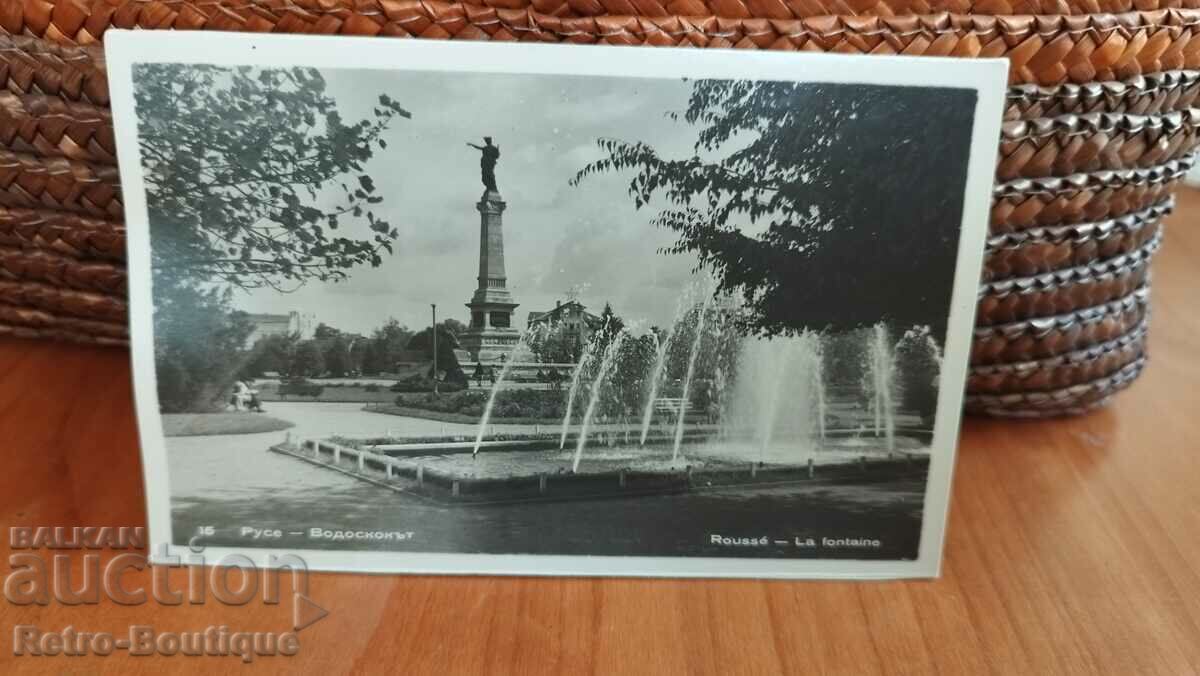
{"x": 230, "y": 422}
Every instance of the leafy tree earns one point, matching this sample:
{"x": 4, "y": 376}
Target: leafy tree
{"x": 628, "y": 380}
{"x": 844, "y": 360}
{"x": 309, "y": 361}
{"x": 198, "y": 348}
{"x": 454, "y": 327}
{"x": 373, "y": 361}
{"x": 917, "y": 371}
{"x": 325, "y": 332}
{"x": 679, "y": 350}
{"x": 610, "y": 326}
{"x": 556, "y": 345}
{"x": 273, "y": 353}
{"x": 610, "y": 323}
{"x": 337, "y": 356}
{"x": 237, "y": 162}
{"x": 822, "y": 205}
{"x": 385, "y": 346}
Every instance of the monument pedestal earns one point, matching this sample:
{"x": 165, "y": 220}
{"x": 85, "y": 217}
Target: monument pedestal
{"x": 488, "y": 345}
{"x": 490, "y": 335}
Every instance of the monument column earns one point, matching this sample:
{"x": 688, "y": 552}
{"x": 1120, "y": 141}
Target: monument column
{"x": 491, "y": 333}
{"x": 491, "y": 242}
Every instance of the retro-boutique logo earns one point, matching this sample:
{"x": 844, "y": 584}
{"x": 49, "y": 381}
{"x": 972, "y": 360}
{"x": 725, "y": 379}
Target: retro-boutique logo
{"x": 42, "y": 573}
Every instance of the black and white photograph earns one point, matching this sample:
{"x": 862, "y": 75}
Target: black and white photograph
{"x": 421, "y": 307}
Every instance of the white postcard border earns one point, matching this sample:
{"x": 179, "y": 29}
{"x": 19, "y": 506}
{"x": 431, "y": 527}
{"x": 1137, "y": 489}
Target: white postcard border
{"x": 986, "y": 76}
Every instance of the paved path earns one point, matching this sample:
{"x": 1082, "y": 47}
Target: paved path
{"x": 239, "y": 466}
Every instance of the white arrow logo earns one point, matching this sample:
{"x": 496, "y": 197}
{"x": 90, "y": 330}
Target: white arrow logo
{"x": 305, "y": 612}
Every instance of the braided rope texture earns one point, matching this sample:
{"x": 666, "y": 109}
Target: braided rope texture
{"x": 1066, "y": 400}
{"x": 1064, "y": 290}
{"x": 74, "y": 19}
{"x": 1139, "y": 95}
{"x": 1039, "y": 250}
{"x": 1043, "y": 49}
{"x": 1100, "y": 126}
{"x": 1072, "y": 368}
{"x": 1044, "y": 337}
{"x": 1071, "y": 144}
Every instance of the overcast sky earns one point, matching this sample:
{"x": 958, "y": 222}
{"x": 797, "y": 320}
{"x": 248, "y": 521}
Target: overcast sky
{"x": 556, "y": 236}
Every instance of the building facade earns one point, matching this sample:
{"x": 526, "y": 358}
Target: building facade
{"x": 292, "y": 323}
{"x": 571, "y": 317}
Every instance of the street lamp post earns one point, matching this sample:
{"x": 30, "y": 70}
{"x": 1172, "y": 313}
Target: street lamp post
{"x": 433, "y": 337}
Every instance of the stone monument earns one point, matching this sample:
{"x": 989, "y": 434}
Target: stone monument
{"x": 490, "y": 336}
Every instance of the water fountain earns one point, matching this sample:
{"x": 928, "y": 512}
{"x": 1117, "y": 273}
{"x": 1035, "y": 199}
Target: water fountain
{"x": 606, "y": 364}
{"x": 818, "y": 383}
{"x": 487, "y": 409}
{"x": 881, "y": 369}
{"x": 687, "y": 379}
{"x": 764, "y": 397}
{"x": 660, "y": 362}
{"x": 585, "y": 361}
{"x": 777, "y": 393}
{"x": 772, "y": 397}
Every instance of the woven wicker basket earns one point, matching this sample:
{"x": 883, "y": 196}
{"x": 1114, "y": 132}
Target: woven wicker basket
{"x": 1100, "y": 126}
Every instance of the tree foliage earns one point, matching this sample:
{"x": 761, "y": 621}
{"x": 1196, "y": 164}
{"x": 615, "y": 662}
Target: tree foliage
{"x": 556, "y": 345}
{"x": 918, "y": 366}
{"x": 237, "y": 166}
{"x": 822, "y": 205}
{"x": 454, "y": 327}
{"x": 337, "y": 356}
{"x": 308, "y": 361}
{"x": 385, "y": 347}
{"x": 325, "y": 332}
{"x": 271, "y": 354}
{"x": 628, "y": 381}
{"x": 198, "y": 347}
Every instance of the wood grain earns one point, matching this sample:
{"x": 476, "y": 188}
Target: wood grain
{"x": 1074, "y": 547}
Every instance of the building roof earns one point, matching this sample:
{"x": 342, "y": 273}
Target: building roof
{"x": 560, "y": 309}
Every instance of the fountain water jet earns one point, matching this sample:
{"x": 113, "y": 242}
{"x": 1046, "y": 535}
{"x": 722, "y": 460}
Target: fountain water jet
{"x": 687, "y": 379}
{"x": 660, "y": 361}
{"x": 585, "y": 360}
{"x": 773, "y": 396}
{"x": 606, "y": 365}
{"x": 881, "y": 363}
{"x": 487, "y": 410}
{"x": 818, "y": 377}
{"x": 777, "y": 395}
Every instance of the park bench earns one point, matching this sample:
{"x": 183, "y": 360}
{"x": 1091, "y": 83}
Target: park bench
{"x": 673, "y": 405}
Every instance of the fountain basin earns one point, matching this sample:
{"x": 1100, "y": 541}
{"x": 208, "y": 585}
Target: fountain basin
{"x": 527, "y": 443}
{"x": 530, "y": 475}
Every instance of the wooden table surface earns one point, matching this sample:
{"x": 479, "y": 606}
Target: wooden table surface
{"x": 1073, "y": 547}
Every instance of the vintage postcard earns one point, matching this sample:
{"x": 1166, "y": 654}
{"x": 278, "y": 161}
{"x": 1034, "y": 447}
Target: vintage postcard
{"x": 419, "y": 306}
